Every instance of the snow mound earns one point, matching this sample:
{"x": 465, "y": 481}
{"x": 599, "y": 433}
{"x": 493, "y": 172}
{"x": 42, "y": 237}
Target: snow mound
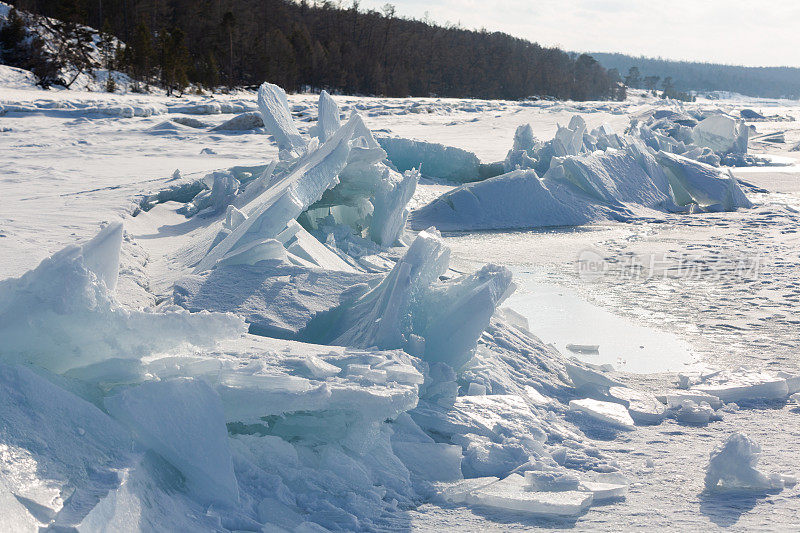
{"x": 732, "y": 466}
{"x": 16, "y": 78}
{"x": 244, "y": 122}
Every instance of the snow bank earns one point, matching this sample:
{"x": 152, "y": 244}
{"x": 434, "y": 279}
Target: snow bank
{"x": 16, "y": 78}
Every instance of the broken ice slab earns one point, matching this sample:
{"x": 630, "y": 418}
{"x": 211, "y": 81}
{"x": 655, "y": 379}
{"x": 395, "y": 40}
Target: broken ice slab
{"x": 433, "y": 160}
{"x": 431, "y": 461}
{"x": 183, "y": 421}
{"x": 277, "y": 118}
{"x": 582, "y": 376}
{"x": 328, "y": 120}
{"x": 459, "y": 491}
{"x": 552, "y": 481}
{"x": 583, "y": 348}
{"x": 723, "y": 134}
{"x": 439, "y": 321}
{"x": 675, "y": 398}
{"x": 63, "y": 315}
{"x": 743, "y": 386}
{"x": 604, "y": 491}
{"x": 512, "y": 494}
{"x": 643, "y": 407}
{"x": 609, "y": 413}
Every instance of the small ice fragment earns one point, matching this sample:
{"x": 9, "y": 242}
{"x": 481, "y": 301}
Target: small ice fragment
{"x": 459, "y": 492}
{"x": 675, "y": 398}
{"x": 605, "y": 491}
{"x": 583, "y": 348}
{"x": 694, "y": 414}
{"x": 582, "y": 376}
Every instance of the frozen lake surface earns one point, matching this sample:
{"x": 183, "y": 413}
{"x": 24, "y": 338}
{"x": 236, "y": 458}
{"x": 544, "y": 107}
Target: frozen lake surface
{"x": 558, "y": 315}
{"x": 671, "y": 293}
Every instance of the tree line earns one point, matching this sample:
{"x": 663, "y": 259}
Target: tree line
{"x": 320, "y": 45}
{"x": 685, "y": 76}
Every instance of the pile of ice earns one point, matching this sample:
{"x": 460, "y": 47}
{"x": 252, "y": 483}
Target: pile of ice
{"x": 732, "y": 467}
{"x": 580, "y": 177}
{"x": 117, "y": 418}
{"x": 335, "y": 184}
{"x": 173, "y": 418}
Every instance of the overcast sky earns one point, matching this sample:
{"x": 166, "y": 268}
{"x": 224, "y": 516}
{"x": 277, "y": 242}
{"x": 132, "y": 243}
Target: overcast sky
{"x": 742, "y": 32}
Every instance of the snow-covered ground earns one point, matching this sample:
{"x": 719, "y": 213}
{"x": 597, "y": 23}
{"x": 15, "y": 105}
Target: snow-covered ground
{"x": 667, "y": 293}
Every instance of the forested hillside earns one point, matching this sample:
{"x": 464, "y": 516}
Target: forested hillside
{"x": 296, "y": 45}
{"x": 768, "y": 82}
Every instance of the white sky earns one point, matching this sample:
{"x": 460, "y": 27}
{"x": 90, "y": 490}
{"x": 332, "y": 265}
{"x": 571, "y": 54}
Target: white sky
{"x": 741, "y": 32}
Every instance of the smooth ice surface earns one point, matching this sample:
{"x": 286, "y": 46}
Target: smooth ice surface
{"x": 560, "y": 316}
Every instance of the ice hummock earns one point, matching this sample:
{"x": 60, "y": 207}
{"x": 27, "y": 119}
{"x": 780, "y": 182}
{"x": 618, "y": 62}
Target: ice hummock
{"x": 63, "y": 315}
{"x": 580, "y": 177}
{"x": 439, "y": 321}
{"x": 342, "y": 182}
{"x": 732, "y": 466}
